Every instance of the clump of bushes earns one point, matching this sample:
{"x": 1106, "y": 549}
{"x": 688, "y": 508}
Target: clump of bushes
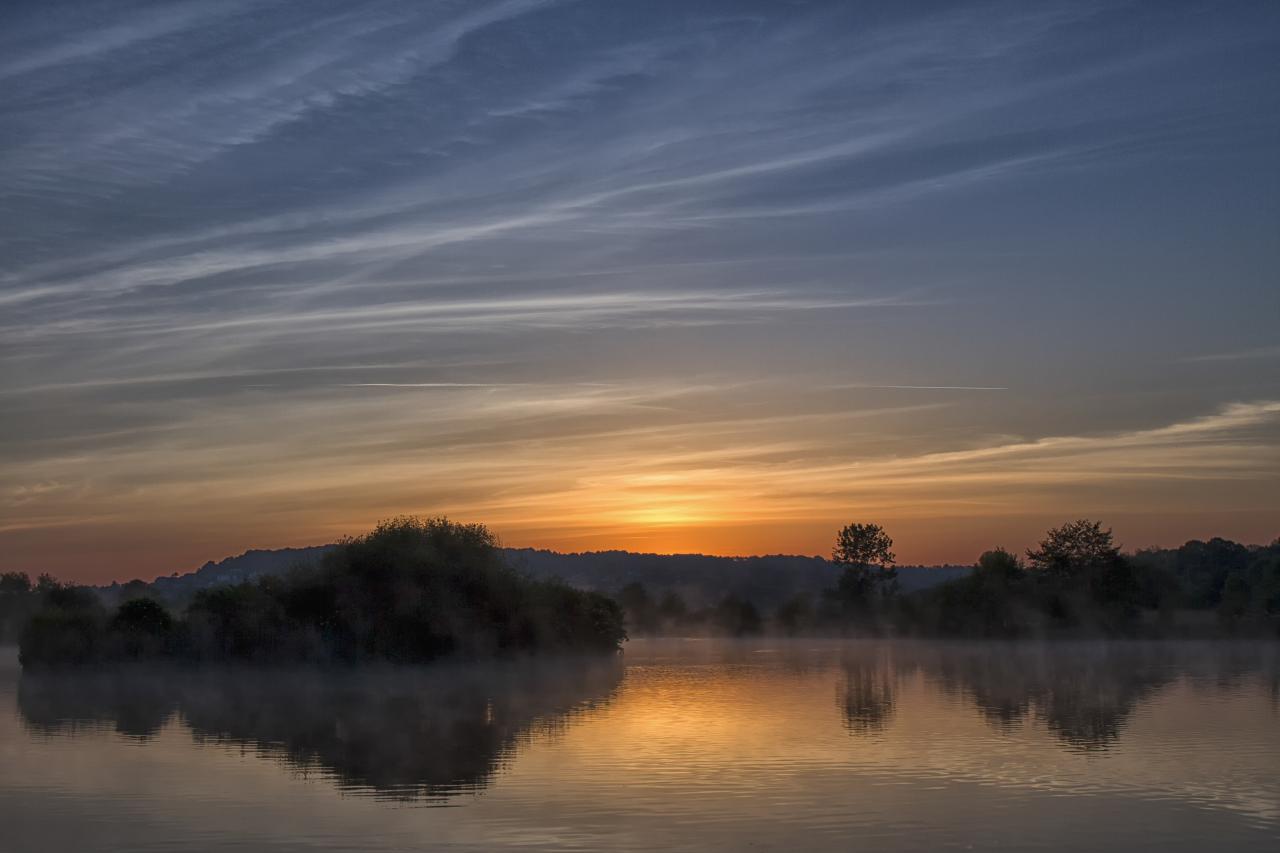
{"x": 413, "y": 590}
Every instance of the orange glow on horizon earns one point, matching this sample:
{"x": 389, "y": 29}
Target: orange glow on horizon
{"x": 696, "y": 490}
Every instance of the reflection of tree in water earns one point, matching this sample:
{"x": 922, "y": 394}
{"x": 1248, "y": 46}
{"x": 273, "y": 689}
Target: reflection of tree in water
{"x": 135, "y": 706}
{"x": 1092, "y": 716}
{"x": 991, "y": 676}
{"x": 1084, "y": 693}
{"x": 401, "y": 733}
{"x": 866, "y": 691}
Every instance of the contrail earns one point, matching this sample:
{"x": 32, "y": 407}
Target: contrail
{"x": 424, "y": 384}
{"x": 929, "y": 387}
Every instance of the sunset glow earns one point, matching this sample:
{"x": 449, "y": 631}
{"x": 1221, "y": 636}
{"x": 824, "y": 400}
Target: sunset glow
{"x": 719, "y": 280}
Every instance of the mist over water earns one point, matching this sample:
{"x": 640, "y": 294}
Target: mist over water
{"x": 690, "y": 745}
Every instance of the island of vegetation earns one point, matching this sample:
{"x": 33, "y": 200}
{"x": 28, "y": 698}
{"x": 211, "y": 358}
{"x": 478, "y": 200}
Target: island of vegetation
{"x": 417, "y": 590}
{"x": 413, "y": 590}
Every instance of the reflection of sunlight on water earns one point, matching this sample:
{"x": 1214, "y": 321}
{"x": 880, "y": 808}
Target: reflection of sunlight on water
{"x": 910, "y": 712}
{"x": 698, "y": 744}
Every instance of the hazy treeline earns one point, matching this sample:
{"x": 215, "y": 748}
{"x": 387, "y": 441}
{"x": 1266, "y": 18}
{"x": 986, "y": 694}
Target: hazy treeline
{"x": 668, "y": 613}
{"x": 412, "y": 590}
{"x": 1076, "y": 582}
{"x": 417, "y": 590}
{"x": 701, "y": 580}
{"x": 19, "y": 599}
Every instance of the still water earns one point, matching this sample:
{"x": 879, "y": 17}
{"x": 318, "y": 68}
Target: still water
{"x": 681, "y": 745}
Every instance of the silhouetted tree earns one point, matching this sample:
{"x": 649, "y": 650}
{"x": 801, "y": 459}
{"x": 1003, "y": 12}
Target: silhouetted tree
{"x": 17, "y": 600}
{"x": 987, "y": 603}
{"x": 1199, "y": 568}
{"x": 863, "y": 545}
{"x": 1084, "y": 577}
{"x": 1000, "y": 565}
{"x": 14, "y": 584}
{"x": 867, "y": 577}
{"x": 1073, "y": 548}
{"x": 141, "y": 628}
{"x": 67, "y": 629}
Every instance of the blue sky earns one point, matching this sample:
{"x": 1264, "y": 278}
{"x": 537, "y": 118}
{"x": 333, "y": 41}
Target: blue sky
{"x": 667, "y": 276}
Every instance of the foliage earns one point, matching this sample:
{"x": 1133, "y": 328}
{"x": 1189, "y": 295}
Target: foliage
{"x": 868, "y": 578}
{"x": 990, "y": 602}
{"x": 1073, "y": 548}
{"x": 863, "y": 545}
{"x": 1079, "y": 583}
{"x": 142, "y": 628}
{"x": 68, "y": 628}
{"x": 412, "y": 590}
{"x": 415, "y": 590}
{"x": 737, "y": 617}
{"x": 16, "y": 603}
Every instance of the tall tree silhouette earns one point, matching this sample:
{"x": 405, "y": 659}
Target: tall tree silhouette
{"x": 864, "y": 553}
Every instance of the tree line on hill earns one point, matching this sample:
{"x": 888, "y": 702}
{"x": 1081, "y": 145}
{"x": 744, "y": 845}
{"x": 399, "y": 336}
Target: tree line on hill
{"x": 703, "y": 580}
{"x": 416, "y": 590}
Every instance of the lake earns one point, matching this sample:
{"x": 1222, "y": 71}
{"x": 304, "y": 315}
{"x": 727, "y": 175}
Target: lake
{"x": 676, "y": 744}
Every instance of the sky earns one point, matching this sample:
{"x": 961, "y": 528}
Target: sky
{"x": 689, "y": 276}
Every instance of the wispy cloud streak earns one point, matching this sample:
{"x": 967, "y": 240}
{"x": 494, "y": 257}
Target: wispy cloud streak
{"x": 703, "y": 249}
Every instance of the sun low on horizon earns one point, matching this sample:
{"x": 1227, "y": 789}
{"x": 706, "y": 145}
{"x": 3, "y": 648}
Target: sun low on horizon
{"x": 712, "y": 278}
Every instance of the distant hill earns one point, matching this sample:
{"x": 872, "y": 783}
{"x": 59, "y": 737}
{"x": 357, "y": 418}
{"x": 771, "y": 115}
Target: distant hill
{"x": 704, "y": 580}
{"x": 248, "y": 566}
{"x": 700, "y": 579}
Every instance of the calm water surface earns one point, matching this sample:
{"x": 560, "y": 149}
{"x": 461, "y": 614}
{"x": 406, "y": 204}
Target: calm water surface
{"x": 688, "y": 745}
